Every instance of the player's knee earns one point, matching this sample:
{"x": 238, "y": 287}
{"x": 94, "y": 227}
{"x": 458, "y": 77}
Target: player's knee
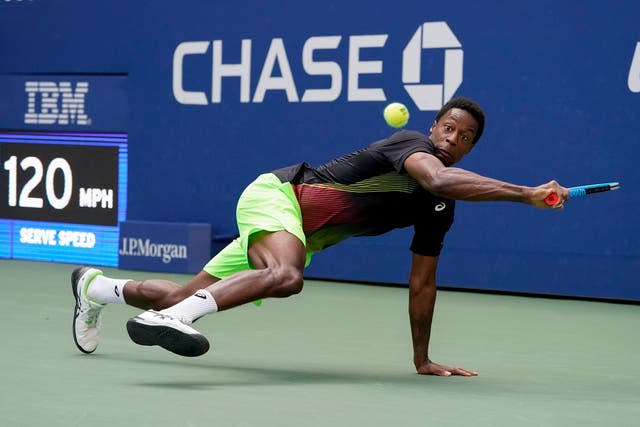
{"x": 289, "y": 280}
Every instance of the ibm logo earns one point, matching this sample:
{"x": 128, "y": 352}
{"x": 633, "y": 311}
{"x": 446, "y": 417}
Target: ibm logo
{"x": 56, "y": 103}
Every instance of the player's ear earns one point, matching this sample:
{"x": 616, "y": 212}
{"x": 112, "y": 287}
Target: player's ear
{"x": 433, "y": 125}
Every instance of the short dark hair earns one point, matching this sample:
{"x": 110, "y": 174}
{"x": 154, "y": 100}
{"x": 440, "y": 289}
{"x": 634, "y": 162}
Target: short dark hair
{"x": 468, "y": 105}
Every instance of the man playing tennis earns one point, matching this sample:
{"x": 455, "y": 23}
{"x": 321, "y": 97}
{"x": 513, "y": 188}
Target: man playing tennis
{"x": 287, "y": 215}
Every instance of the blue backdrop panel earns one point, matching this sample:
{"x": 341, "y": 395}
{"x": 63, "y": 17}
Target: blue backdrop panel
{"x": 222, "y": 91}
{"x": 164, "y": 246}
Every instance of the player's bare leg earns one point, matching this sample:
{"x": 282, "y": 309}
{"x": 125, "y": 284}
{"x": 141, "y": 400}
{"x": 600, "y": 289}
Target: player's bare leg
{"x": 158, "y": 294}
{"x": 278, "y": 260}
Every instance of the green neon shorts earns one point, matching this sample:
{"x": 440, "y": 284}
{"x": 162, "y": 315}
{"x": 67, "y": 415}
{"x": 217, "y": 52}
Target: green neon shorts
{"x": 265, "y": 205}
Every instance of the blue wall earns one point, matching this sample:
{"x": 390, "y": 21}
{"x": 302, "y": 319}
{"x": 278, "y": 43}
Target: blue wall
{"x": 555, "y": 78}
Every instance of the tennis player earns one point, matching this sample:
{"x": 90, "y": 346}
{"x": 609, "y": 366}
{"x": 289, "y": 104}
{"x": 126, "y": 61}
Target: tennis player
{"x": 287, "y": 215}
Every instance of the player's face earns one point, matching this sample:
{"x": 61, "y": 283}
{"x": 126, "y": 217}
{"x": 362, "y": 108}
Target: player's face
{"x": 453, "y": 135}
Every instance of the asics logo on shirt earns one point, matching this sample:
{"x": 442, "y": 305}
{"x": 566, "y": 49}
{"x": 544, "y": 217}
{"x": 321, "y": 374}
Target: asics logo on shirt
{"x": 440, "y": 207}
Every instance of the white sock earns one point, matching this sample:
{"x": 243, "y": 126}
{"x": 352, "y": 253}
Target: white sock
{"x": 191, "y": 309}
{"x": 105, "y": 290}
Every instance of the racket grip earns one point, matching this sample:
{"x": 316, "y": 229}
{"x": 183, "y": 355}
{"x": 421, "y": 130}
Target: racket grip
{"x": 552, "y": 199}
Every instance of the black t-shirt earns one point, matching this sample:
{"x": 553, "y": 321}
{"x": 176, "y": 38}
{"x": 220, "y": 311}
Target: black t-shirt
{"x": 368, "y": 192}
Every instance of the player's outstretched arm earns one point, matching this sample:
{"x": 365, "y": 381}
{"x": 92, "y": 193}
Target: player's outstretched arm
{"x": 461, "y": 184}
{"x": 422, "y": 299}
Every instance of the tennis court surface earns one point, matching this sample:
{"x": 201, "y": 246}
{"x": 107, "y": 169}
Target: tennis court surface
{"x": 336, "y": 355}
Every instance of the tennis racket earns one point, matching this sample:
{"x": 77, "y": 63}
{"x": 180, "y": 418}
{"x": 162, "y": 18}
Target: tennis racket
{"x": 583, "y": 190}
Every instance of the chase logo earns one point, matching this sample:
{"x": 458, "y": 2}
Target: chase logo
{"x": 432, "y": 35}
{"x": 633, "y": 81}
{"x": 277, "y": 75}
{"x": 51, "y": 103}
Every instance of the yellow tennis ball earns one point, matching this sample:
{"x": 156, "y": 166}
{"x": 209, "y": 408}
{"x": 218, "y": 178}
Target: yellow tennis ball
{"x": 396, "y": 115}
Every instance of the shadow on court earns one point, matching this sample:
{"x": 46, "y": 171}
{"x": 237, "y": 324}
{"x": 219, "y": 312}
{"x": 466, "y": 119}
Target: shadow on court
{"x": 221, "y": 375}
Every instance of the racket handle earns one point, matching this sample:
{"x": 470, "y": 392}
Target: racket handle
{"x": 552, "y": 199}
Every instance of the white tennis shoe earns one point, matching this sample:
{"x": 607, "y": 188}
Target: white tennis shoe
{"x": 86, "y": 315}
{"x": 169, "y": 332}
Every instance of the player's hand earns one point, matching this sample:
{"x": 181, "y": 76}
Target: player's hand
{"x": 431, "y": 368}
{"x": 541, "y": 192}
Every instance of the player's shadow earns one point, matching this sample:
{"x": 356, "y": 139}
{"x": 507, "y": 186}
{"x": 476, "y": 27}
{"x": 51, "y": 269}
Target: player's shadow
{"x": 224, "y": 374}
{"x": 176, "y": 374}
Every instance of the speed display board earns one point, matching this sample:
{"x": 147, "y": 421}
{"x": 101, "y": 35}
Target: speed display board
{"x": 63, "y": 195}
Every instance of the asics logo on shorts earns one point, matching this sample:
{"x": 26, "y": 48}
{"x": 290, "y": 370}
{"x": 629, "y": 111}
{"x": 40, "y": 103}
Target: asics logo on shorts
{"x": 440, "y": 207}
